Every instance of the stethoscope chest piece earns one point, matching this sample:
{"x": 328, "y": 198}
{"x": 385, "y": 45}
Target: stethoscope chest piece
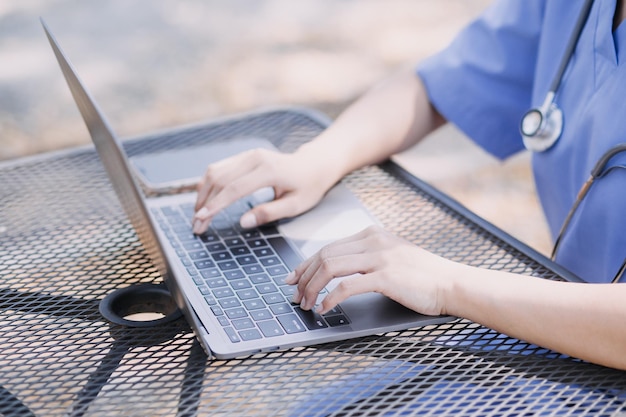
{"x": 541, "y": 128}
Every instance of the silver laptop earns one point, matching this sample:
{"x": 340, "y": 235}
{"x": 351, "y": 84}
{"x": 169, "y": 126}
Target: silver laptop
{"x": 229, "y": 282}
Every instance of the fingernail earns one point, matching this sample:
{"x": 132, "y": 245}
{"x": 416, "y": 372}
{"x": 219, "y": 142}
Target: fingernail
{"x": 319, "y": 310}
{"x": 248, "y": 221}
{"x": 197, "y": 226}
{"x": 295, "y": 297}
{"x": 290, "y": 277}
{"x": 303, "y": 303}
{"x": 202, "y": 214}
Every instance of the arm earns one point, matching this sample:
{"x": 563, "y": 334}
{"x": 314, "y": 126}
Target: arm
{"x": 389, "y": 118}
{"x": 587, "y": 321}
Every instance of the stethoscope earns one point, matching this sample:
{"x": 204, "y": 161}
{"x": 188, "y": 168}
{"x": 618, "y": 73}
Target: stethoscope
{"x": 542, "y": 126}
{"x": 600, "y": 170}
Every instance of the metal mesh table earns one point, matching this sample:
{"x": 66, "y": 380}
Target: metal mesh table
{"x": 65, "y": 243}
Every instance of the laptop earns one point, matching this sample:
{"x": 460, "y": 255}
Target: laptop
{"x": 228, "y": 282}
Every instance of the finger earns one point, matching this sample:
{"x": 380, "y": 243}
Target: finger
{"x": 237, "y": 189}
{"x": 347, "y": 267}
{"x": 331, "y": 268}
{"x": 283, "y": 207}
{"x": 326, "y": 265}
{"x": 220, "y": 174}
{"x": 305, "y": 270}
{"x": 357, "y": 284}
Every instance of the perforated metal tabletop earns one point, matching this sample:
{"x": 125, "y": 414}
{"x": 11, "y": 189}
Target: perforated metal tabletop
{"x": 65, "y": 243}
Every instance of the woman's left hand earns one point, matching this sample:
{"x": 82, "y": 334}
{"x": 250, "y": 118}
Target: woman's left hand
{"x": 383, "y": 263}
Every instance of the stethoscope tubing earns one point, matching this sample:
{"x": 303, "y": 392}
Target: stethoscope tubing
{"x": 599, "y": 170}
{"x": 571, "y": 45}
{"x": 541, "y": 127}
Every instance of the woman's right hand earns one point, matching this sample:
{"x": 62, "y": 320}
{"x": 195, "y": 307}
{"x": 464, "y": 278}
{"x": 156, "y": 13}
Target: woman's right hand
{"x": 388, "y": 119}
{"x": 299, "y": 182}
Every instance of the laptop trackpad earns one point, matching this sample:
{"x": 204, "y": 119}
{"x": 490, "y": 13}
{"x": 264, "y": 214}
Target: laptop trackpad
{"x": 340, "y": 214}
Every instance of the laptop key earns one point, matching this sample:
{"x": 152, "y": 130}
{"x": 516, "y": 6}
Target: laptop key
{"x": 276, "y": 270}
{"x": 263, "y": 252}
{"x": 288, "y": 290}
{"x": 204, "y": 263}
{"x": 233, "y": 241}
{"x": 193, "y": 245}
{"x": 197, "y": 255}
{"x": 270, "y": 328}
{"x": 266, "y": 288}
{"x": 245, "y": 323}
{"x": 240, "y": 284}
{"x": 282, "y": 308}
{"x": 247, "y": 294}
{"x": 227, "y": 265}
{"x": 234, "y": 274}
{"x": 311, "y": 320}
{"x": 223, "y": 292}
{"x": 250, "y": 334}
{"x": 210, "y": 273}
{"x": 232, "y": 334}
{"x": 280, "y": 280}
{"x": 250, "y": 234}
{"x": 269, "y": 230}
{"x": 209, "y": 237}
{"x": 227, "y": 232}
{"x": 215, "y": 247}
{"x": 216, "y": 282}
{"x": 254, "y": 304}
{"x": 229, "y": 302}
{"x": 222, "y": 256}
{"x": 246, "y": 260}
{"x": 260, "y": 315}
{"x": 257, "y": 243}
{"x": 240, "y": 250}
{"x": 339, "y": 320}
{"x": 223, "y": 321}
{"x": 259, "y": 279}
{"x": 236, "y": 313}
{"x": 184, "y": 233}
{"x": 253, "y": 269}
{"x": 274, "y": 298}
{"x": 290, "y": 323}
{"x": 270, "y": 261}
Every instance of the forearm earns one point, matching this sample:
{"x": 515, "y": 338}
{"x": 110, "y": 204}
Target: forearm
{"x": 586, "y": 321}
{"x": 391, "y": 117}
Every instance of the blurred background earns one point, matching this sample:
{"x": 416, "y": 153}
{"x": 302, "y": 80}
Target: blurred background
{"x": 154, "y": 64}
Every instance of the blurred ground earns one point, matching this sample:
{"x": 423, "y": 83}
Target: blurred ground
{"x": 153, "y": 64}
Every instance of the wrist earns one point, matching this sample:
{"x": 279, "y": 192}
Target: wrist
{"x": 454, "y": 292}
{"x": 325, "y": 163}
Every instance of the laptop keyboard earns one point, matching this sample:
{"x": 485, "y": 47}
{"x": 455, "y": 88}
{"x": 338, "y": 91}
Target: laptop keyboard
{"x": 240, "y": 274}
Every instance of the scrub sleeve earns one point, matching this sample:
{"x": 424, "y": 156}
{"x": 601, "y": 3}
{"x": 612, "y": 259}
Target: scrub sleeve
{"x": 483, "y": 81}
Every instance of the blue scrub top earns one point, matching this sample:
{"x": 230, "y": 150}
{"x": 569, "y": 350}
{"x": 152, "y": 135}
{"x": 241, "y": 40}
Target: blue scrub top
{"x": 500, "y": 66}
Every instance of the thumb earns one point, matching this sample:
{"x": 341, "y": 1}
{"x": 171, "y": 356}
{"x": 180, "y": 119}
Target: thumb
{"x": 271, "y": 211}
